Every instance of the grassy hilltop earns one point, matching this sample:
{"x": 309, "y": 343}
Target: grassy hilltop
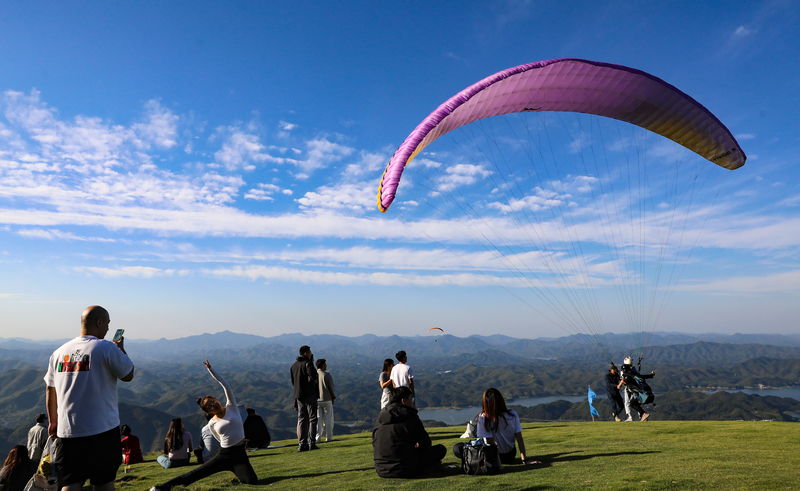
{"x": 604, "y": 455}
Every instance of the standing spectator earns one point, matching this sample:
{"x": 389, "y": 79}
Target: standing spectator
{"x": 402, "y": 375}
{"x": 17, "y": 470}
{"x": 325, "y": 402}
{"x": 386, "y": 382}
{"x": 255, "y": 430}
{"x": 177, "y": 446}
{"x": 400, "y": 445}
{"x": 131, "y": 450}
{"x": 612, "y": 392}
{"x": 209, "y": 446}
{"x": 37, "y": 438}
{"x": 306, "y": 393}
{"x": 82, "y": 403}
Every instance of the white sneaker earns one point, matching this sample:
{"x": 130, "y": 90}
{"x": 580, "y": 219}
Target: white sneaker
{"x": 629, "y": 419}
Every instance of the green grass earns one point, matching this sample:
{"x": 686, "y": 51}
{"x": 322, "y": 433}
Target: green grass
{"x": 654, "y": 455}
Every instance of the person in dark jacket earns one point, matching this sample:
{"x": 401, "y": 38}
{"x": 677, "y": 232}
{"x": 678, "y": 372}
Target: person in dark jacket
{"x": 306, "y": 393}
{"x": 400, "y": 445}
{"x": 255, "y": 430}
{"x": 612, "y": 381}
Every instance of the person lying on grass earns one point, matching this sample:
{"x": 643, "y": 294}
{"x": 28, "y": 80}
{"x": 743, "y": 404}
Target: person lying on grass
{"x": 226, "y": 426}
{"x": 500, "y": 426}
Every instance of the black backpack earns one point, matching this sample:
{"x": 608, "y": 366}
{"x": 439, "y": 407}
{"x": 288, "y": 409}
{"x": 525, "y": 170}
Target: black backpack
{"x": 480, "y": 460}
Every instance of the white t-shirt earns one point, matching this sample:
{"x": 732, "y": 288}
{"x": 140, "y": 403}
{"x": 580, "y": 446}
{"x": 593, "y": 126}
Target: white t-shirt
{"x": 229, "y": 429}
{"x": 504, "y": 434}
{"x": 84, "y": 372}
{"x": 401, "y": 374}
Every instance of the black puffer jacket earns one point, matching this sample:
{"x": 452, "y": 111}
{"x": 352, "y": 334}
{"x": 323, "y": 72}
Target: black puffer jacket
{"x": 304, "y": 380}
{"x": 394, "y": 437}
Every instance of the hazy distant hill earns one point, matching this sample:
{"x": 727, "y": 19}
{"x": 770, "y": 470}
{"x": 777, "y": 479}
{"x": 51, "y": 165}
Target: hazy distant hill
{"x": 282, "y": 349}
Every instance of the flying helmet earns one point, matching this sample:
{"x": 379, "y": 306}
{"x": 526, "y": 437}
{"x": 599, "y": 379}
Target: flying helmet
{"x": 627, "y": 361}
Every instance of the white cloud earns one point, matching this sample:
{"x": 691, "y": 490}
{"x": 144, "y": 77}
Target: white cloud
{"x": 344, "y": 196}
{"x": 127, "y": 272}
{"x": 160, "y": 127}
{"x": 787, "y": 283}
{"x": 321, "y": 153}
{"x": 368, "y": 164}
{"x": 54, "y": 234}
{"x": 240, "y": 150}
{"x": 351, "y": 279}
{"x": 743, "y": 31}
{"x": 263, "y": 192}
{"x": 541, "y": 200}
{"x": 460, "y": 175}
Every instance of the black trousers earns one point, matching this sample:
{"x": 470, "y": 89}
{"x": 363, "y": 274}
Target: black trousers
{"x": 430, "y": 458}
{"x": 232, "y": 459}
{"x": 617, "y": 404}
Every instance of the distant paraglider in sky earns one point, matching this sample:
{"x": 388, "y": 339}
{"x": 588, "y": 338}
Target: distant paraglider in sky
{"x": 565, "y": 179}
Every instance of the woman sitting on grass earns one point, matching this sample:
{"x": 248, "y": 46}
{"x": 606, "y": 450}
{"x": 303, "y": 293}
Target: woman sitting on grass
{"x": 131, "y": 450}
{"x": 17, "y": 470}
{"x": 500, "y": 426}
{"x": 177, "y": 446}
{"x": 226, "y": 426}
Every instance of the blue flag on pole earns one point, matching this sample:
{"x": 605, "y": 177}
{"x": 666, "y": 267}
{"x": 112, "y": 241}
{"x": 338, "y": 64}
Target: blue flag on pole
{"x": 592, "y": 410}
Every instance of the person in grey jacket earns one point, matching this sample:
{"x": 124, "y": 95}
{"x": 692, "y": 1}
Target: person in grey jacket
{"x": 37, "y": 437}
{"x": 325, "y": 402}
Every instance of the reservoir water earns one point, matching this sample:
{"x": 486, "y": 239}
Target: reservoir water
{"x": 462, "y": 415}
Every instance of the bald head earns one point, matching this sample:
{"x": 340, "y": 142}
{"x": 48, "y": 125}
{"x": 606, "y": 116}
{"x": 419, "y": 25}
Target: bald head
{"x": 94, "y": 321}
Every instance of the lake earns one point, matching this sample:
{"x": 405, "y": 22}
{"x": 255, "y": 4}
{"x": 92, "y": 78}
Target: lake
{"x": 461, "y": 416}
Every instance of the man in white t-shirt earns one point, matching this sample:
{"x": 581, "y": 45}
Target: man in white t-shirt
{"x": 402, "y": 375}
{"x": 82, "y": 404}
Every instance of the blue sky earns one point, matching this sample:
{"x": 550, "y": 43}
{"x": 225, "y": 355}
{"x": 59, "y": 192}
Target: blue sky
{"x": 195, "y": 166}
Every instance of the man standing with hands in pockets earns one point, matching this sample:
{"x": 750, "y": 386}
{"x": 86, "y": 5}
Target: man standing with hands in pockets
{"x": 82, "y": 404}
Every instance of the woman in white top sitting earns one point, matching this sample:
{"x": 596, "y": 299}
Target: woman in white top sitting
{"x": 226, "y": 426}
{"x": 500, "y": 426}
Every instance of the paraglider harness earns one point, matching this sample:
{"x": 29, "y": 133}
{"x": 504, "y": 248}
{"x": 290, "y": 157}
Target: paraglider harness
{"x": 637, "y": 386}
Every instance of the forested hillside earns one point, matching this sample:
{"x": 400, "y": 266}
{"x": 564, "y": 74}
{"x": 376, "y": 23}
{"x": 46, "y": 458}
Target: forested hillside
{"x": 446, "y": 376}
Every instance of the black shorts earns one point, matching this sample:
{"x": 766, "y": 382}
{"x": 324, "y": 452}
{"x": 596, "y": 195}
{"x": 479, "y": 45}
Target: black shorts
{"x": 96, "y": 458}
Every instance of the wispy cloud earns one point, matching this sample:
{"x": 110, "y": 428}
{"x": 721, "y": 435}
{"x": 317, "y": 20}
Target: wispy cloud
{"x": 128, "y": 271}
{"x": 53, "y": 234}
{"x": 787, "y": 283}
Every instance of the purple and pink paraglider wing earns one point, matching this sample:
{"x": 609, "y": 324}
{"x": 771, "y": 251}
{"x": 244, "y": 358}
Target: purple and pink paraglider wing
{"x": 572, "y": 85}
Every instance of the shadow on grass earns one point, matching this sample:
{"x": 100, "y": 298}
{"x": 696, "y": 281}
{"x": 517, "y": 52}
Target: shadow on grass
{"x": 274, "y": 479}
{"x": 548, "y": 460}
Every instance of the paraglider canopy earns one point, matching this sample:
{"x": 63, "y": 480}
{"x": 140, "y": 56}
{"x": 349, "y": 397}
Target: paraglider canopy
{"x": 574, "y": 85}
{"x": 437, "y": 328}
{"x": 569, "y": 180}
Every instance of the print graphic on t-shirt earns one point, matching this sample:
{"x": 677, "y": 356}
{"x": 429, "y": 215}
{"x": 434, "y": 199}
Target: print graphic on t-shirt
{"x": 74, "y": 363}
